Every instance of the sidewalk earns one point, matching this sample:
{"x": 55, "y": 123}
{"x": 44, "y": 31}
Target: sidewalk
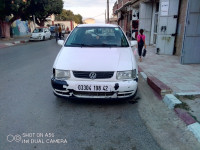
{"x": 167, "y": 68}
{"x": 13, "y": 41}
{"x": 177, "y": 85}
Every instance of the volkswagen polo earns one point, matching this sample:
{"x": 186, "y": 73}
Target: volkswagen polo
{"x": 95, "y": 61}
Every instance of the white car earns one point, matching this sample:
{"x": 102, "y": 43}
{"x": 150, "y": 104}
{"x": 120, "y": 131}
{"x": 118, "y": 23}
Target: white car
{"x": 40, "y": 34}
{"x": 95, "y": 61}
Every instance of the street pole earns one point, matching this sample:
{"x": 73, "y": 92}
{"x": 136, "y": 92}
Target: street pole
{"x": 34, "y": 21}
{"x": 105, "y": 16}
{"x": 107, "y": 11}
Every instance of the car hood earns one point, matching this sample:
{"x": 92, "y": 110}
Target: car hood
{"x": 94, "y": 59}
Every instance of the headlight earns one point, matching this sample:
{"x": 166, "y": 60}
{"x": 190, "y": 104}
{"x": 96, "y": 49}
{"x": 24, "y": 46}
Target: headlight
{"x": 131, "y": 74}
{"x": 62, "y": 74}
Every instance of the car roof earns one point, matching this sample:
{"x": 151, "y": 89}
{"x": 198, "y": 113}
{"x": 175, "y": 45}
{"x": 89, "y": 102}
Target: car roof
{"x": 97, "y": 25}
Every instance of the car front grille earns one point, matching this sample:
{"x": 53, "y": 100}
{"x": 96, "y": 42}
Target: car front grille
{"x": 99, "y": 75}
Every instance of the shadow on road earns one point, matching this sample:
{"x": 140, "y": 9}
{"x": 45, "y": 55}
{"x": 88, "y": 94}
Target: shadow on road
{"x": 105, "y": 102}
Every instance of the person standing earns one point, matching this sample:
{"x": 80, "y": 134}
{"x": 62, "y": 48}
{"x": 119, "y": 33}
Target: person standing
{"x": 141, "y": 43}
{"x": 60, "y": 31}
{"x": 56, "y": 32}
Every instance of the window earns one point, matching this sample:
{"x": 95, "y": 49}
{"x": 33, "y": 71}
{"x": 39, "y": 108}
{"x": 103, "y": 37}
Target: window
{"x": 97, "y": 37}
{"x": 38, "y": 30}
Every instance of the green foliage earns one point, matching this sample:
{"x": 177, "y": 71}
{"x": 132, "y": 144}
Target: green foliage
{"x": 5, "y": 8}
{"x": 15, "y": 7}
{"x": 68, "y": 15}
{"x": 78, "y": 19}
{"x": 25, "y": 9}
{"x": 183, "y": 106}
{"x": 44, "y": 8}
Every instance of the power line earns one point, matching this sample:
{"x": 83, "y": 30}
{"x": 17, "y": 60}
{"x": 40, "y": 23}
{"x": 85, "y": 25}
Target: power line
{"x": 99, "y": 15}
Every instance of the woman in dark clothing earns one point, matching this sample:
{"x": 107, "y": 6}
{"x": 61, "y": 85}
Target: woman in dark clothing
{"x": 141, "y": 43}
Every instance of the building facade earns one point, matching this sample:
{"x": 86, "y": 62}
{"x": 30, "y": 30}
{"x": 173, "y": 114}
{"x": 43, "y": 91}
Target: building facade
{"x": 173, "y": 26}
{"x": 89, "y": 21}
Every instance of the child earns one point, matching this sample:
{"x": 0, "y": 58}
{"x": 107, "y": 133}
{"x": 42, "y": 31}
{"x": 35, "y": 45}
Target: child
{"x": 141, "y": 43}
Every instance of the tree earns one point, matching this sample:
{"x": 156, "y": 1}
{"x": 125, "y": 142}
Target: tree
{"x": 14, "y": 8}
{"x": 78, "y": 19}
{"x": 26, "y": 9}
{"x": 41, "y": 9}
{"x": 68, "y": 15}
{"x": 11, "y": 10}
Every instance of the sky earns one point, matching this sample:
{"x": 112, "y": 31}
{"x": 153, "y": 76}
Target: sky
{"x": 90, "y": 8}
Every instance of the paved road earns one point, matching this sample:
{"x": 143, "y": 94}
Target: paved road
{"x": 29, "y": 110}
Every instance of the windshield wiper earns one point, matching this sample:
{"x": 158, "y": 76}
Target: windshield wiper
{"x": 108, "y": 45}
{"x": 82, "y": 45}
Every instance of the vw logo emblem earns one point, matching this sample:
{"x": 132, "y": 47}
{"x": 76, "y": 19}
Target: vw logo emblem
{"x": 92, "y": 75}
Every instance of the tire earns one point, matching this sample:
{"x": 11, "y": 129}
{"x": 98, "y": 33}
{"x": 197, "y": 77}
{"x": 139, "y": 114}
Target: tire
{"x": 43, "y": 38}
{"x": 50, "y": 38}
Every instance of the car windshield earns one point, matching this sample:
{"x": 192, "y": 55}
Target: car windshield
{"x": 97, "y": 37}
{"x": 38, "y": 30}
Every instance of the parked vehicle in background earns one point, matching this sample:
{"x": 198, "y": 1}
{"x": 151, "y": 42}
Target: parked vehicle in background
{"x": 52, "y": 30}
{"x": 40, "y": 33}
{"x": 96, "y": 61}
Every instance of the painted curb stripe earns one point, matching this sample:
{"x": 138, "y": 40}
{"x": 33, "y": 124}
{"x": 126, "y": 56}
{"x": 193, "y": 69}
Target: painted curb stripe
{"x": 185, "y": 116}
{"x": 195, "y": 128}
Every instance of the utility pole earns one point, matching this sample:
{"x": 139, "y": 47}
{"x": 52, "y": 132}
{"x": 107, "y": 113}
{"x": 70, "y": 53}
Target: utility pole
{"x": 107, "y": 11}
{"x": 105, "y": 16}
{"x": 34, "y": 21}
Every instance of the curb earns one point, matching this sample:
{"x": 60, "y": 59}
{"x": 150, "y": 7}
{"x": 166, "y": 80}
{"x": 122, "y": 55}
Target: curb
{"x": 190, "y": 122}
{"x": 187, "y": 118}
{"x": 171, "y": 101}
{"x": 3, "y": 46}
{"x": 13, "y": 43}
{"x": 158, "y": 86}
{"x": 195, "y": 129}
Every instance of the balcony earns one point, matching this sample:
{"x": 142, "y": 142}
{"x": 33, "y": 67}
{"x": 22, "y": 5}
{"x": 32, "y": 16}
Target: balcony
{"x": 121, "y": 4}
{"x": 115, "y": 7}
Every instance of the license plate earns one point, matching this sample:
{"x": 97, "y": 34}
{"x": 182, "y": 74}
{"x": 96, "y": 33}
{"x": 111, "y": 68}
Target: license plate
{"x": 93, "y": 88}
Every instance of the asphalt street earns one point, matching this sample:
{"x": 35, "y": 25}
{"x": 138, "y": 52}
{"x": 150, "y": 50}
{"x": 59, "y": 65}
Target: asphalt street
{"x": 31, "y": 117}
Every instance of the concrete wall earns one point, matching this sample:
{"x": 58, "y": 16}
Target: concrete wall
{"x": 145, "y": 20}
{"x": 89, "y": 21}
{"x": 181, "y": 26}
{"x": 20, "y": 28}
{"x": 69, "y": 24}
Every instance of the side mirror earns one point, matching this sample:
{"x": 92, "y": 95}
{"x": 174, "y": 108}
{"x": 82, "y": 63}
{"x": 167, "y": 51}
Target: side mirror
{"x": 133, "y": 43}
{"x": 60, "y": 42}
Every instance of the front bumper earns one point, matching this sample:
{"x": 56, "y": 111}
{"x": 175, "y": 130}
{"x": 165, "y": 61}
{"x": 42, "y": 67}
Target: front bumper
{"x": 118, "y": 89}
{"x": 36, "y": 38}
